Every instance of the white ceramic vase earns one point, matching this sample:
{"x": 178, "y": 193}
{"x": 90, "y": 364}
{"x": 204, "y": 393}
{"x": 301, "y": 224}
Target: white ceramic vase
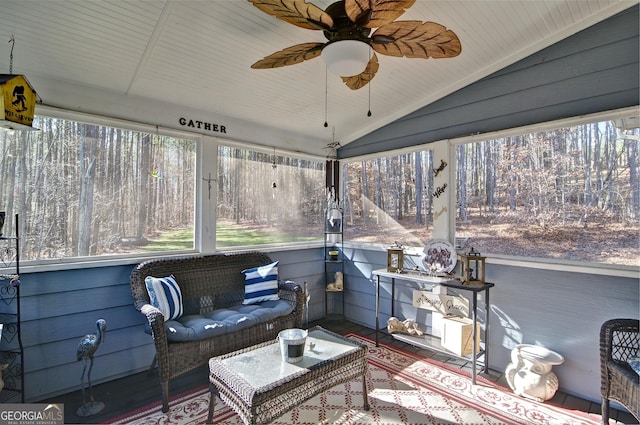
{"x": 529, "y": 374}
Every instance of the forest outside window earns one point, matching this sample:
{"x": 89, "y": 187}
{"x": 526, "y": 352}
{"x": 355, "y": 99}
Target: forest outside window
{"x": 389, "y": 199}
{"x": 265, "y": 198}
{"x": 567, "y": 194}
{"x": 88, "y": 190}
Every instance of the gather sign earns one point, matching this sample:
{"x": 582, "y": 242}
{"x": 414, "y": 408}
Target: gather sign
{"x": 202, "y": 125}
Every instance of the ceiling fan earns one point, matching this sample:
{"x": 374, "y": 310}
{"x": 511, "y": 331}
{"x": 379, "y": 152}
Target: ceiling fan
{"x": 347, "y": 25}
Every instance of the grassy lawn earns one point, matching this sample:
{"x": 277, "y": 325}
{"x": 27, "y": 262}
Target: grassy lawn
{"x": 226, "y": 235}
{"x": 232, "y": 235}
{"x": 180, "y": 239}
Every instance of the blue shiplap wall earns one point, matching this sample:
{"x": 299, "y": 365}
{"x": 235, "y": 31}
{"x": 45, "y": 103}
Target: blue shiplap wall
{"x": 59, "y": 307}
{"x": 592, "y": 71}
{"x": 560, "y": 310}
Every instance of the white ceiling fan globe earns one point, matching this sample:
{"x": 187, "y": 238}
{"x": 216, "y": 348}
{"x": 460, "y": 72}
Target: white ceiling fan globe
{"x": 346, "y": 58}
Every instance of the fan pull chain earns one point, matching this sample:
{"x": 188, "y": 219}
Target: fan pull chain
{"x": 326, "y": 96}
{"x": 370, "y": 79}
{"x": 369, "y": 111}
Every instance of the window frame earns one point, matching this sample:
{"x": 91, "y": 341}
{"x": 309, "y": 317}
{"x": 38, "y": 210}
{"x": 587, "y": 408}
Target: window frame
{"x": 371, "y": 157}
{"x": 204, "y": 211}
{"x": 529, "y": 262}
{"x": 64, "y": 263}
{"x": 205, "y": 145}
{"x": 211, "y": 156}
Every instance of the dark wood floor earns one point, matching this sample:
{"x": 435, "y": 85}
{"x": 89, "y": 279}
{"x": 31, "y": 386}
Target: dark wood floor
{"x": 137, "y": 391}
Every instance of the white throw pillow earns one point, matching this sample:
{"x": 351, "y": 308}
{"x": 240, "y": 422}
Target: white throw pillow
{"x": 261, "y": 283}
{"x": 165, "y": 294}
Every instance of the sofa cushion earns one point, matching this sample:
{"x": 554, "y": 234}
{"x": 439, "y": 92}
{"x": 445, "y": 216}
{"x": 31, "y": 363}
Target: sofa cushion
{"x": 164, "y": 293}
{"x": 261, "y": 283}
{"x": 225, "y": 320}
{"x": 193, "y": 328}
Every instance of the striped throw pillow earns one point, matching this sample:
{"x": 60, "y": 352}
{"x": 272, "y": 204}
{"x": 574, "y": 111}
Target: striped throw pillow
{"x": 261, "y": 283}
{"x": 165, "y": 294}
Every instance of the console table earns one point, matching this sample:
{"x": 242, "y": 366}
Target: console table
{"x": 422, "y": 278}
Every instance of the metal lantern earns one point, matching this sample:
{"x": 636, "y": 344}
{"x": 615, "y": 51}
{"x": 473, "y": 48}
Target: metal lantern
{"x": 472, "y": 268}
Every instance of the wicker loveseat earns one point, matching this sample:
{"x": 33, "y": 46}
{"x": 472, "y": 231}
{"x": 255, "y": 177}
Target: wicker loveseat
{"x": 215, "y": 319}
{"x": 619, "y": 344}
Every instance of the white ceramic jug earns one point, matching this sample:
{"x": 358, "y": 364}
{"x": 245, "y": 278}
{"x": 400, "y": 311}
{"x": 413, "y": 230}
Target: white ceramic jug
{"x": 529, "y": 373}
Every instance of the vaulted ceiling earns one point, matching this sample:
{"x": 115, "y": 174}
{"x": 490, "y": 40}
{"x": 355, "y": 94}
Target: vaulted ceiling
{"x": 196, "y": 55}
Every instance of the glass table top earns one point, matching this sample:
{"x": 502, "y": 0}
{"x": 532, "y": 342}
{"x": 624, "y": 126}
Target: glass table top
{"x": 264, "y": 366}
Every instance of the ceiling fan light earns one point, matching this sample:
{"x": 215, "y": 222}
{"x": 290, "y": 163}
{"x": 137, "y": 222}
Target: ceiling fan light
{"x": 346, "y": 58}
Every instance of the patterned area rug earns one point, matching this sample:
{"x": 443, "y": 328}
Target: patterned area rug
{"x": 403, "y": 389}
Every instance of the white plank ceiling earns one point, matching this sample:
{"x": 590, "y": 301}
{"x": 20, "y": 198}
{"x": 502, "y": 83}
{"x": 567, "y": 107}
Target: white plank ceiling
{"x": 197, "y": 54}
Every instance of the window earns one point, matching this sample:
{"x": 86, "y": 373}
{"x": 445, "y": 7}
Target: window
{"x": 389, "y": 199}
{"x": 84, "y": 189}
{"x": 568, "y": 194}
{"x": 265, "y": 199}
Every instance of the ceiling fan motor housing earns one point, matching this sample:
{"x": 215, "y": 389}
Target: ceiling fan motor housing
{"x": 343, "y": 27}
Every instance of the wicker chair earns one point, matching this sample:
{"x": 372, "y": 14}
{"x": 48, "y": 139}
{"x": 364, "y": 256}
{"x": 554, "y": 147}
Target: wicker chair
{"x": 619, "y": 340}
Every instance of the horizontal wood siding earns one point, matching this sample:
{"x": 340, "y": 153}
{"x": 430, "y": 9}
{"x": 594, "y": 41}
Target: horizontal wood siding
{"x": 562, "y": 311}
{"x": 305, "y": 266}
{"x": 592, "y": 71}
{"x": 60, "y": 307}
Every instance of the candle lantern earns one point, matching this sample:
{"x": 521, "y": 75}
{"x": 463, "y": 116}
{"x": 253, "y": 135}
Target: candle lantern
{"x": 472, "y": 268}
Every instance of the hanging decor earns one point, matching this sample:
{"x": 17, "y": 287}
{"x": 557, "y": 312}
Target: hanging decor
{"x": 17, "y": 99}
{"x": 17, "y": 102}
{"x": 332, "y": 169}
{"x": 274, "y": 167}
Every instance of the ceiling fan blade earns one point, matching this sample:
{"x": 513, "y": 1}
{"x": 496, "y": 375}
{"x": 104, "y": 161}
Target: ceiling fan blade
{"x": 296, "y": 12}
{"x": 290, "y": 56}
{"x": 358, "y": 81}
{"x": 415, "y": 39}
{"x": 375, "y": 13}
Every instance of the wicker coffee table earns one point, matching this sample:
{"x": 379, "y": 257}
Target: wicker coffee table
{"x": 260, "y": 387}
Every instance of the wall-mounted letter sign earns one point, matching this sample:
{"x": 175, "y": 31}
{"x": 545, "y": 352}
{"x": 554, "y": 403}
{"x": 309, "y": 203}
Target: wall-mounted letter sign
{"x": 439, "y": 191}
{"x": 201, "y": 125}
{"x": 442, "y": 166}
{"x": 438, "y": 213}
